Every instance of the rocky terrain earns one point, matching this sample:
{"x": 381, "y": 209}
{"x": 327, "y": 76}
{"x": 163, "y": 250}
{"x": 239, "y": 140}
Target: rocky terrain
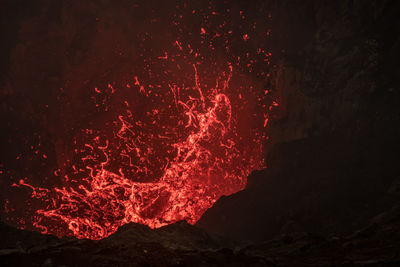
{"x": 332, "y": 152}
{"x": 185, "y": 245}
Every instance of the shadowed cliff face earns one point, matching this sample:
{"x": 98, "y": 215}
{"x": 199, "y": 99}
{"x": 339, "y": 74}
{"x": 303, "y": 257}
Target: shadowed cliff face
{"x": 332, "y": 151}
{"x": 325, "y": 185}
{"x": 338, "y": 69}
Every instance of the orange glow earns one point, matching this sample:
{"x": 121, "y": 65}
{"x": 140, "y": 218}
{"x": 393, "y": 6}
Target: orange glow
{"x": 190, "y": 131}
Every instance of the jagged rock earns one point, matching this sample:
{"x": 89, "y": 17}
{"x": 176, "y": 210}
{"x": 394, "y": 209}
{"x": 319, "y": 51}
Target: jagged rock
{"x": 333, "y": 144}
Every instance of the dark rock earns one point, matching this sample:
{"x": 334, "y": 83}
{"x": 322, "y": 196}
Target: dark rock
{"x": 332, "y": 152}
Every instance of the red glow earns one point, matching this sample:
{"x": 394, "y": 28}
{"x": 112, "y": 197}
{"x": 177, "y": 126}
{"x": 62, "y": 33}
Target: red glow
{"x": 191, "y": 133}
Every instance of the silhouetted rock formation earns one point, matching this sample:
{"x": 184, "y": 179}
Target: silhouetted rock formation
{"x": 332, "y": 155}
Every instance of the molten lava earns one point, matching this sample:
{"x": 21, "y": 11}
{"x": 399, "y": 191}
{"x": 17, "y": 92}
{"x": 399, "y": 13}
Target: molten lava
{"x": 187, "y": 135}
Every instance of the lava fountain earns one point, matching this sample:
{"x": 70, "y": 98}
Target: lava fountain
{"x": 189, "y": 132}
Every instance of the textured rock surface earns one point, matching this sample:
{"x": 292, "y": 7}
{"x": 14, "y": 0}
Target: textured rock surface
{"x": 338, "y": 70}
{"x": 332, "y": 152}
{"x": 184, "y": 245}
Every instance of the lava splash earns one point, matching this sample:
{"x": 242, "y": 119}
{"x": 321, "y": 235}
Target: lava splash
{"x": 189, "y": 131}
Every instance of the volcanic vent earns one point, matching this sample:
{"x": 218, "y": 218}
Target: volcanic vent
{"x": 178, "y": 125}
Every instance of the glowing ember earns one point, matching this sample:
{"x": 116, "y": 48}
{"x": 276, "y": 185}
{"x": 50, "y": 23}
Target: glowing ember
{"x": 185, "y": 137}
